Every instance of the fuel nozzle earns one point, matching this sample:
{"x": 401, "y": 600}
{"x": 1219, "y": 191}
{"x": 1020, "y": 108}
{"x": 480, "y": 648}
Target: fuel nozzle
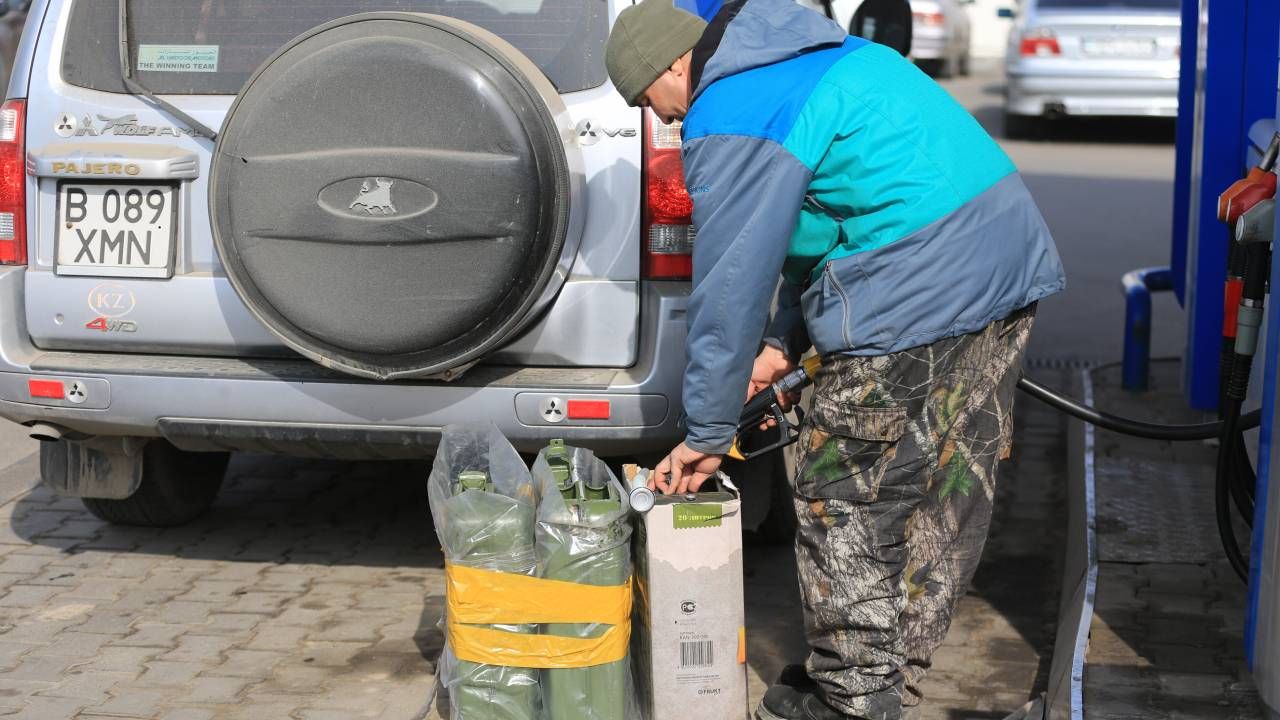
{"x": 767, "y": 405}
{"x": 1258, "y": 184}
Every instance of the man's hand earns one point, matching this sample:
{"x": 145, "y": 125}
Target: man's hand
{"x": 683, "y": 470}
{"x": 771, "y": 364}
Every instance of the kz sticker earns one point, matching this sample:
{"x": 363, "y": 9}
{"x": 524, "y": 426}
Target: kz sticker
{"x": 111, "y": 300}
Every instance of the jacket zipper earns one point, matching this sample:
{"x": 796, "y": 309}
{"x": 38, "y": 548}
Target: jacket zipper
{"x": 844, "y": 303}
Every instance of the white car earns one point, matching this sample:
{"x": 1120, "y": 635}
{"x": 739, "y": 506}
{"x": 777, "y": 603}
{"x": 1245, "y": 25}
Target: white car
{"x": 939, "y": 32}
{"x": 1093, "y": 57}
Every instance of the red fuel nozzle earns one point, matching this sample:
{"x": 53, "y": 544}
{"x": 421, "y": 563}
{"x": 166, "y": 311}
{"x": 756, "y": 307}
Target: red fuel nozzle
{"x": 1255, "y": 187}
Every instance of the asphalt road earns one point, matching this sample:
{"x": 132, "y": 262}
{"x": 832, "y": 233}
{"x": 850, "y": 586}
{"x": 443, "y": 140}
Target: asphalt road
{"x": 1106, "y": 189}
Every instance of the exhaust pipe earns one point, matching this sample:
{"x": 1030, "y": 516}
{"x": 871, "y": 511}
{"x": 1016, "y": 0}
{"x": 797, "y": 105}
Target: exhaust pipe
{"x": 1055, "y": 110}
{"x": 45, "y": 432}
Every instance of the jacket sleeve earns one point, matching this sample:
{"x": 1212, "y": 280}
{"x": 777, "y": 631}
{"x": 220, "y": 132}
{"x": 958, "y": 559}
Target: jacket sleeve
{"x": 747, "y": 193}
{"x": 787, "y": 331}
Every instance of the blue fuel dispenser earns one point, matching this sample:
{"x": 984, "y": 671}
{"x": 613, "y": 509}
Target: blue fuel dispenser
{"x": 1262, "y": 631}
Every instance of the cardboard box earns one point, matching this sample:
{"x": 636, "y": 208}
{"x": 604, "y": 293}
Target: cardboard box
{"x": 688, "y": 630}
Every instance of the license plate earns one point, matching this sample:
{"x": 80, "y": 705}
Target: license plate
{"x": 116, "y": 229}
{"x": 1119, "y": 47}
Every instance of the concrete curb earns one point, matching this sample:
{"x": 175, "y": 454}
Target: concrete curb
{"x": 1065, "y": 698}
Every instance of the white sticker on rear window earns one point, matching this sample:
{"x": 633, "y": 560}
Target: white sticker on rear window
{"x": 178, "y": 58}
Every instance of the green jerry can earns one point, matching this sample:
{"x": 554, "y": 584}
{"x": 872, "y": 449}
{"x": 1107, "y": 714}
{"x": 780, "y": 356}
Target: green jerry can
{"x": 587, "y": 543}
{"x": 490, "y": 531}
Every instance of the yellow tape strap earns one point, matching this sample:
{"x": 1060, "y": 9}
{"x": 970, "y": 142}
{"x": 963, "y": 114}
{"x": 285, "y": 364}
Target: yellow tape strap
{"x": 487, "y": 597}
{"x": 549, "y": 652}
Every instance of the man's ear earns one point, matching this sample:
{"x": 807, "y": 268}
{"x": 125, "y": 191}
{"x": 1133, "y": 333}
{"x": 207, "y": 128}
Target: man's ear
{"x": 681, "y": 65}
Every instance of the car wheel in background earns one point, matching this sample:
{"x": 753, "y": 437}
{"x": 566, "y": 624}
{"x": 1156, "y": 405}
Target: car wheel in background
{"x": 1022, "y": 127}
{"x": 929, "y": 67}
{"x": 177, "y": 487}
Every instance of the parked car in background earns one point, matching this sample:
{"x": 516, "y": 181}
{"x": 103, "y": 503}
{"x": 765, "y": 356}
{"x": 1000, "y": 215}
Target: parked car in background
{"x": 939, "y": 31}
{"x": 1092, "y": 57}
{"x": 940, "y": 36}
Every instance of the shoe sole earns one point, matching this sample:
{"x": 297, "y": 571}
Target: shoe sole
{"x": 762, "y": 713}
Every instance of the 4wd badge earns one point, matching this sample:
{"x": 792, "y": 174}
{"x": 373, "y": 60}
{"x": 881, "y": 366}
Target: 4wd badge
{"x": 103, "y": 324}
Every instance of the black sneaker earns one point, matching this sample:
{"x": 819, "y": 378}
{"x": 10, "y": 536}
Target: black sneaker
{"x": 797, "y": 677}
{"x": 784, "y": 702}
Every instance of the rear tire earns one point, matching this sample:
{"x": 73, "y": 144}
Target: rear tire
{"x": 779, "y": 526}
{"x": 177, "y": 487}
{"x": 1021, "y": 127}
{"x": 936, "y": 69}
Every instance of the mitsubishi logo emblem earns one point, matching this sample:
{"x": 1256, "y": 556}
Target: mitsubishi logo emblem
{"x": 66, "y": 125}
{"x": 589, "y": 133}
{"x": 375, "y": 197}
{"x": 77, "y": 393}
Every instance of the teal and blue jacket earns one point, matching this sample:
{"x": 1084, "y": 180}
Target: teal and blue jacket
{"x": 892, "y": 217}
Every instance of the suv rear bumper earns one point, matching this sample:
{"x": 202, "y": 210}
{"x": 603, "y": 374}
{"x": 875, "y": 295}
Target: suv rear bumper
{"x": 297, "y": 407}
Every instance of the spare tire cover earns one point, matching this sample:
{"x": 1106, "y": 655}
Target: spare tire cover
{"x": 390, "y": 193}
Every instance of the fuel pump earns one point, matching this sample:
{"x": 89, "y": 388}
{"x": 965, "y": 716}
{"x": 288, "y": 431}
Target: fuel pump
{"x": 1246, "y": 207}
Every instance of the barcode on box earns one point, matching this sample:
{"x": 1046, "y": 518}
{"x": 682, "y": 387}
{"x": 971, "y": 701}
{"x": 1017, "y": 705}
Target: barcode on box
{"x": 696, "y": 654}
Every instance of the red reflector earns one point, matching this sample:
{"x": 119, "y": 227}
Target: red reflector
{"x": 588, "y": 410}
{"x": 47, "y": 389}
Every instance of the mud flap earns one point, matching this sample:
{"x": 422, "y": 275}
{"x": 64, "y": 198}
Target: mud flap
{"x": 108, "y": 468}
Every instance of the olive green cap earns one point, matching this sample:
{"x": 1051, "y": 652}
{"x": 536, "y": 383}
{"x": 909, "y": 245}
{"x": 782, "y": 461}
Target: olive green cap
{"x": 646, "y": 40}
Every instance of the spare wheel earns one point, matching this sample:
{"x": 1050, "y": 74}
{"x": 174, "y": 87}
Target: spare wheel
{"x": 391, "y": 195}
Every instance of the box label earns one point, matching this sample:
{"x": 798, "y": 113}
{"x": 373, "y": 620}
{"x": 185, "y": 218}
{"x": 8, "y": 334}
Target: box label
{"x": 692, "y": 517}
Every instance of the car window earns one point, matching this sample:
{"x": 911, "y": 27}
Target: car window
{"x": 1111, "y": 4}
{"x": 211, "y": 47}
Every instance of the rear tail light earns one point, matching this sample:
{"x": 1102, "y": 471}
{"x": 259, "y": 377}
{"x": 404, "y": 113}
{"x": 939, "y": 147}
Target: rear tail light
{"x": 929, "y": 19}
{"x": 666, "y": 229}
{"x": 13, "y": 184}
{"x": 1039, "y": 43}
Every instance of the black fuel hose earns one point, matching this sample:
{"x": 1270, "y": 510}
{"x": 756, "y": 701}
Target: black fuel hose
{"x": 1222, "y": 490}
{"x": 1233, "y": 462}
{"x": 1127, "y": 426}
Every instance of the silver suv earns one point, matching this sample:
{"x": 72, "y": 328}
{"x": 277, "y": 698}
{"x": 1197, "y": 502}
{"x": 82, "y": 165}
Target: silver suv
{"x": 424, "y": 213}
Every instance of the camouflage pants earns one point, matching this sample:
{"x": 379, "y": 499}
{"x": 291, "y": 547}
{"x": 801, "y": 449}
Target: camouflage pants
{"x": 893, "y": 492}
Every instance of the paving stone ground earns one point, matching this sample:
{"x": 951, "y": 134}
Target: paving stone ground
{"x": 1167, "y": 635}
{"x": 312, "y": 592}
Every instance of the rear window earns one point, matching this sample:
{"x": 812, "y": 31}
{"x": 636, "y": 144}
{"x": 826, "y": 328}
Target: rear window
{"x": 211, "y": 47}
{"x": 1112, "y": 4}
